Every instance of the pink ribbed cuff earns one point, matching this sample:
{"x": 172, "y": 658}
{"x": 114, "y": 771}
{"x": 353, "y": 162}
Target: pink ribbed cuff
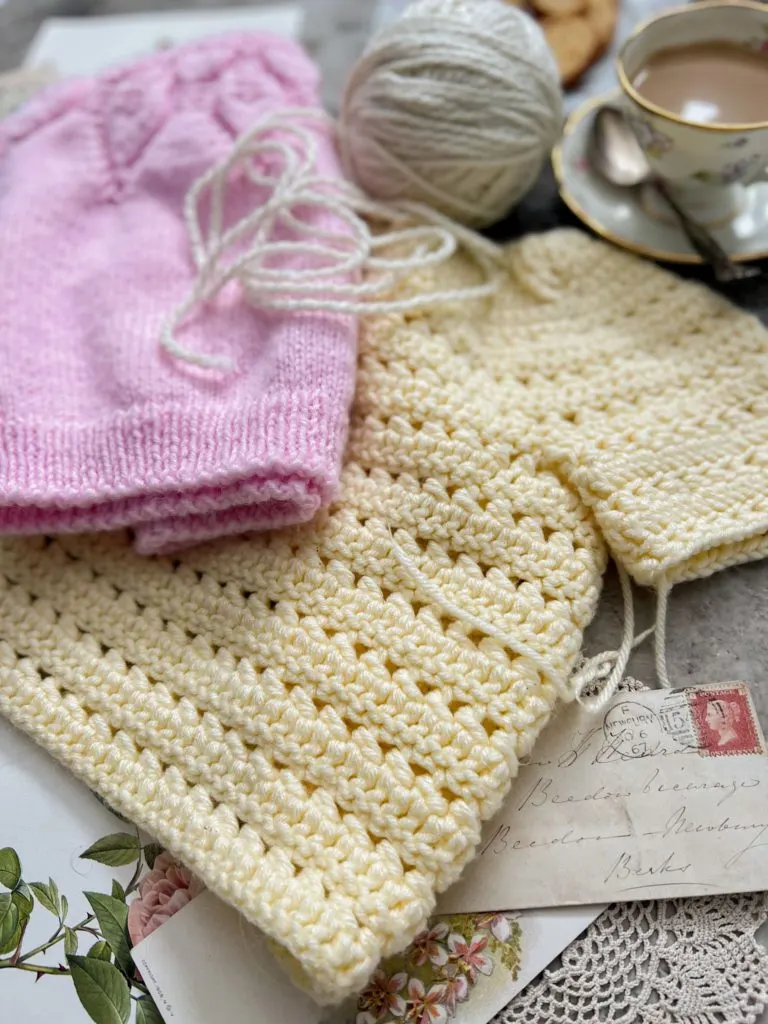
{"x": 188, "y": 474}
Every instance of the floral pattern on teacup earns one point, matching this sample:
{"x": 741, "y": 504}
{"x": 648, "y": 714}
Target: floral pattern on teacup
{"x": 731, "y": 173}
{"x": 759, "y": 43}
{"x": 738, "y": 143}
{"x": 655, "y": 143}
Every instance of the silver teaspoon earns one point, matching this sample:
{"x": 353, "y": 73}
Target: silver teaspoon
{"x": 615, "y": 154}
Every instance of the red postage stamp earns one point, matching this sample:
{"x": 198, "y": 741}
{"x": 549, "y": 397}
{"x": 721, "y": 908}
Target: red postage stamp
{"x": 725, "y": 721}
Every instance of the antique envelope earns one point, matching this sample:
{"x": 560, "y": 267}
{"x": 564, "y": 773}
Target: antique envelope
{"x": 663, "y": 793}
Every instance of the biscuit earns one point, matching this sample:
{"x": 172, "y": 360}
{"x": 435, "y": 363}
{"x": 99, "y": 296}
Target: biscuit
{"x": 558, "y": 8}
{"x": 602, "y": 16}
{"x": 574, "y": 42}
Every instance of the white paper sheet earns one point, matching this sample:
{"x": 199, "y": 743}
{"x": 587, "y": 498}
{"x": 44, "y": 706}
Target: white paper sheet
{"x": 85, "y": 46}
{"x": 49, "y": 819}
{"x": 208, "y": 965}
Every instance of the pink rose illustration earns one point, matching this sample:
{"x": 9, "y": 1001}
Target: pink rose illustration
{"x": 162, "y": 893}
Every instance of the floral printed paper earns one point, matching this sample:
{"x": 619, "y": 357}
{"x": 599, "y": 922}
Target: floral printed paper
{"x": 437, "y": 975}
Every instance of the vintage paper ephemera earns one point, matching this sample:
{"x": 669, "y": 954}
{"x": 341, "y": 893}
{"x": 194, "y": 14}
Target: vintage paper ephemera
{"x": 207, "y": 964}
{"x": 664, "y": 793}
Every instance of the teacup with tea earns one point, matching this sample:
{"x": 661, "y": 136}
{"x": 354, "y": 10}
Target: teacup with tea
{"x": 695, "y": 88}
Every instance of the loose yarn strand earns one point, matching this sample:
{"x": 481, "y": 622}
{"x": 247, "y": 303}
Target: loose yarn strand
{"x": 334, "y": 282}
{"x": 660, "y": 644}
{"x": 609, "y": 666}
{"x": 432, "y": 590}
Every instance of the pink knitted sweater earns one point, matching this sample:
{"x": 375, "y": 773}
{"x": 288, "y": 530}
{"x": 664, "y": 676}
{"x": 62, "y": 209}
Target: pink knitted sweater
{"x": 99, "y": 427}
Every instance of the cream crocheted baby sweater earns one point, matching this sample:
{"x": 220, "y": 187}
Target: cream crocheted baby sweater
{"x": 319, "y": 720}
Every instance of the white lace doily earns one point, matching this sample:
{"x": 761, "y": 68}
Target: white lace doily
{"x": 685, "y": 961}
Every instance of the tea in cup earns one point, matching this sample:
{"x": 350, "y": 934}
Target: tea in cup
{"x": 695, "y": 89}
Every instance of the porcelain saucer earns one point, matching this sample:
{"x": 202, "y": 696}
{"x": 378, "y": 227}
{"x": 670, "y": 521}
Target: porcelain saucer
{"x": 618, "y": 215}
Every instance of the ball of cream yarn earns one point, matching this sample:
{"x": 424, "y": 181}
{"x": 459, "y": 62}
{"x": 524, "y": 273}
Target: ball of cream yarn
{"x": 456, "y": 105}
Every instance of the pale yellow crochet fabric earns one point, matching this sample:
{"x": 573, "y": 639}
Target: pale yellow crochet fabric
{"x": 650, "y": 395}
{"x": 292, "y": 715}
{"x": 318, "y": 721}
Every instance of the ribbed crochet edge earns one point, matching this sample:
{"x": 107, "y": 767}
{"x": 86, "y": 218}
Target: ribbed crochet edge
{"x": 48, "y": 473}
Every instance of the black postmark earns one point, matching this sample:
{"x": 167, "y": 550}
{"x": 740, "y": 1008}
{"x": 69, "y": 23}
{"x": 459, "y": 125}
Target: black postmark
{"x": 630, "y": 730}
{"x": 676, "y": 720}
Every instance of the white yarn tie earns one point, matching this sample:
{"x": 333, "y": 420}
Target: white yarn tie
{"x": 660, "y": 646}
{"x": 609, "y": 666}
{"x": 279, "y": 157}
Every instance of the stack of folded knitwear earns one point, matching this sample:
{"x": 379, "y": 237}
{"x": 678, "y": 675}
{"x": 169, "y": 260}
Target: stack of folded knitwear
{"x": 101, "y": 428}
{"x": 319, "y": 716}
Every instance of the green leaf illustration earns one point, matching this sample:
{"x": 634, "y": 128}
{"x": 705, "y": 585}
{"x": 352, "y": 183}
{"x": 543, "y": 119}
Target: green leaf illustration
{"x": 12, "y": 944}
{"x": 23, "y": 905}
{"x": 70, "y": 941}
{"x": 115, "y": 851}
{"x": 10, "y": 868}
{"x": 117, "y": 890}
{"x": 9, "y": 923}
{"x": 102, "y": 990}
{"x": 53, "y": 890}
{"x": 100, "y": 950}
{"x": 64, "y": 907}
{"x": 23, "y": 898}
{"x": 44, "y": 897}
{"x": 112, "y": 916}
{"x": 23, "y": 908}
{"x": 147, "y": 1012}
{"x": 151, "y": 852}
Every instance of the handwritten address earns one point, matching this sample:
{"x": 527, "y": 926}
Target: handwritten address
{"x": 623, "y": 807}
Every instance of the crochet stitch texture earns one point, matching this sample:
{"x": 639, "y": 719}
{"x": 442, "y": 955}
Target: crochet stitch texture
{"x": 289, "y": 713}
{"x": 294, "y": 714}
{"x": 649, "y": 393}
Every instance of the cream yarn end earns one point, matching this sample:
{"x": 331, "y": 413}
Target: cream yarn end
{"x": 284, "y": 262}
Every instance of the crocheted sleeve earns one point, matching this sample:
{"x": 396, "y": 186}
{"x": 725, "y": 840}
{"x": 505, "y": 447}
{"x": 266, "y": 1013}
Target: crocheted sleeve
{"x": 648, "y": 392}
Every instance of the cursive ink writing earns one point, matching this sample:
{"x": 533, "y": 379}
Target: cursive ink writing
{"x": 570, "y": 756}
{"x": 728, "y": 788}
{"x": 500, "y": 841}
{"x": 541, "y": 793}
{"x": 680, "y": 824}
{"x": 628, "y": 866}
{"x": 756, "y": 842}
